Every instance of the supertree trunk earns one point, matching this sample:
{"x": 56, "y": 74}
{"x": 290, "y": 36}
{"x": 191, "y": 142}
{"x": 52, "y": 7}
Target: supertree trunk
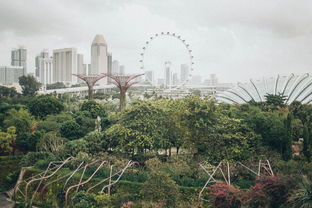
{"x": 123, "y": 101}
{"x": 90, "y": 92}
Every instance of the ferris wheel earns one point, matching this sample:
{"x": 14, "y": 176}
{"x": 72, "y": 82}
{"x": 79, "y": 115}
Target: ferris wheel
{"x": 181, "y": 40}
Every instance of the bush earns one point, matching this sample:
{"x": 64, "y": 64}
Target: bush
{"x": 72, "y": 148}
{"x": 224, "y": 196}
{"x": 42, "y": 106}
{"x": 32, "y": 157}
{"x": 272, "y": 191}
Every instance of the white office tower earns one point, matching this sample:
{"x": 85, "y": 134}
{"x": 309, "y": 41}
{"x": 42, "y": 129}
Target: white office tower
{"x": 80, "y": 67}
{"x": 109, "y": 63}
{"x": 175, "y": 80}
{"x": 122, "y": 69}
{"x": 149, "y": 77}
{"x": 196, "y": 80}
{"x": 43, "y": 54}
{"x": 115, "y": 67}
{"x": 212, "y": 81}
{"x": 45, "y": 71}
{"x": 19, "y": 58}
{"x": 167, "y": 73}
{"x": 99, "y": 57}
{"x": 184, "y": 73}
{"x": 87, "y": 68}
{"x": 65, "y": 65}
{"x": 9, "y": 74}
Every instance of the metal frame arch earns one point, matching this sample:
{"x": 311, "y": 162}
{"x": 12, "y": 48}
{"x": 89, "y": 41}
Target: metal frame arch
{"x": 177, "y": 37}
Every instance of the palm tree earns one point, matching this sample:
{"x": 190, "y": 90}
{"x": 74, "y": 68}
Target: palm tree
{"x": 302, "y": 198}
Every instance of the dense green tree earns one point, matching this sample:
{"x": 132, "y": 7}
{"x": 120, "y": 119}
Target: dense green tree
{"x": 71, "y": 130}
{"x": 28, "y": 141}
{"x": 72, "y": 148}
{"x": 275, "y": 100}
{"x": 306, "y": 142}
{"x": 29, "y": 85}
{"x": 7, "y": 140}
{"x": 94, "y": 108}
{"x": 149, "y": 120}
{"x": 96, "y": 142}
{"x": 287, "y": 151}
{"x": 53, "y": 122}
{"x": 128, "y": 140}
{"x": 57, "y": 85}
{"x": 199, "y": 118}
{"x": 21, "y": 119}
{"x": 160, "y": 188}
{"x": 51, "y": 142}
{"x": 42, "y": 106}
{"x": 8, "y": 92}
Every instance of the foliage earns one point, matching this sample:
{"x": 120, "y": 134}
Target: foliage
{"x": 42, "y": 106}
{"x": 72, "y": 148}
{"x": 307, "y": 143}
{"x": 271, "y": 191}
{"x": 94, "y": 108}
{"x": 224, "y": 196}
{"x": 71, "y": 130}
{"x": 28, "y": 141}
{"x": 8, "y": 92}
{"x": 32, "y": 157}
{"x": 161, "y": 189}
{"x": 96, "y": 142}
{"x": 302, "y": 198}
{"x": 56, "y": 85}
{"x": 51, "y": 142}
{"x": 21, "y": 119}
{"x": 7, "y": 140}
{"x": 29, "y": 85}
{"x": 275, "y": 100}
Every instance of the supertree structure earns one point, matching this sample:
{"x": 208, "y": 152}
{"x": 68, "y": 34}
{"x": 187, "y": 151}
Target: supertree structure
{"x": 123, "y": 82}
{"x": 90, "y": 80}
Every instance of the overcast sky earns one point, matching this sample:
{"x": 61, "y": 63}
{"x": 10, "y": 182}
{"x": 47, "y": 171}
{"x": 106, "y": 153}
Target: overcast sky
{"x": 235, "y": 39}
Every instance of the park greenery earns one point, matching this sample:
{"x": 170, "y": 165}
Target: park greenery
{"x": 168, "y": 138}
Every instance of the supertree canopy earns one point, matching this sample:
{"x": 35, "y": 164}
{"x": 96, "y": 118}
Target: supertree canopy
{"x": 90, "y": 80}
{"x": 292, "y": 87}
{"x": 123, "y": 82}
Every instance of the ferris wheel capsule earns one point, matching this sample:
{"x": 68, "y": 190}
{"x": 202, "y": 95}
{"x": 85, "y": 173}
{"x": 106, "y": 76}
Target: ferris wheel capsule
{"x": 168, "y": 33}
{"x": 156, "y": 34}
{"x": 162, "y": 33}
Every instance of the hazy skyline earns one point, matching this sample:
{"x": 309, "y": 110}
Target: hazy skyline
{"x": 236, "y": 40}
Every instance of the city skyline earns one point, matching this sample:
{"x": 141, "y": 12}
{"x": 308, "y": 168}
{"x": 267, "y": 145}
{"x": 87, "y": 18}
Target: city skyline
{"x": 237, "y": 41}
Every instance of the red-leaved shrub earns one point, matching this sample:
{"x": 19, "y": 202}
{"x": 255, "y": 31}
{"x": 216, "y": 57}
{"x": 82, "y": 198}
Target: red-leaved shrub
{"x": 270, "y": 191}
{"x": 224, "y": 196}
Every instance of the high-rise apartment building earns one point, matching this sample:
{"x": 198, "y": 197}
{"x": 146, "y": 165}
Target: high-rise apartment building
{"x": 122, "y": 69}
{"x": 45, "y": 71}
{"x": 64, "y": 65}
{"x": 19, "y": 58}
{"x": 9, "y": 74}
{"x": 99, "y": 57}
{"x": 43, "y": 54}
{"x": 175, "y": 80}
{"x": 109, "y": 63}
{"x": 80, "y": 68}
{"x": 184, "y": 73}
{"x": 167, "y": 73}
{"x": 115, "y": 67}
{"x": 149, "y": 76}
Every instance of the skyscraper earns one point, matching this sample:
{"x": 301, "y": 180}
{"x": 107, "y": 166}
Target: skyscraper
{"x": 175, "y": 80}
{"x": 43, "y": 54}
{"x": 19, "y": 58}
{"x": 45, "y": 71}
{"x": 109, "y": 63}
{"x": 122, "y": 69}
{"x": 115, "y": 67}
{"x": 9, "y": 74}
{"x": 149, "y": 76}
{"x": 184, "y": 73}
{"x": 64, "y": 65}
{"x": 167, "y": 73}
{"x": 99, "y": 57}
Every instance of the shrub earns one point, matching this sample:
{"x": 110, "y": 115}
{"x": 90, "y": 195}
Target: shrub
{"x": 271, "y": 191}
{"x": 72, "y": 148}
{"x": 224, "y": 196}
{"x": 32, "y": 157}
